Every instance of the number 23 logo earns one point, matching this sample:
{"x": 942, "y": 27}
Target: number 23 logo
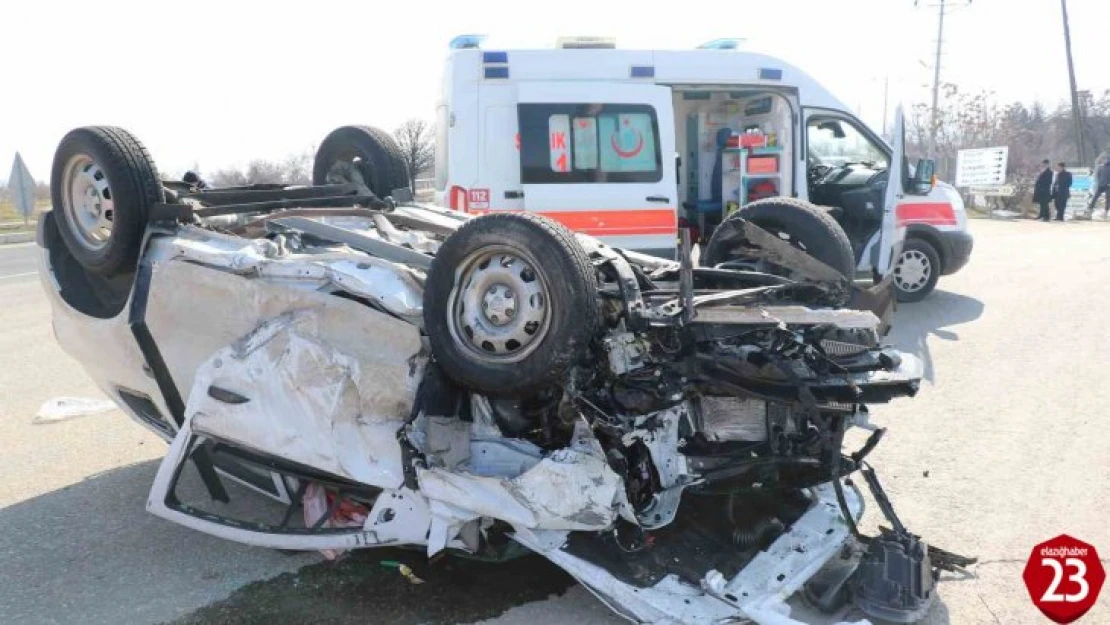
{"x": 1079, "y": 577}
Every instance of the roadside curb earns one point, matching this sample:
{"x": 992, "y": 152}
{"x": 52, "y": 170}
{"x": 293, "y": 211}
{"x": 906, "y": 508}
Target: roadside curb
{"x": 17, "y": 237}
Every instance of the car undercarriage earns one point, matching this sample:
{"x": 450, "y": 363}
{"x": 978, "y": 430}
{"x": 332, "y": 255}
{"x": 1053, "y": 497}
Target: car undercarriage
{"x": 396, "y": 374}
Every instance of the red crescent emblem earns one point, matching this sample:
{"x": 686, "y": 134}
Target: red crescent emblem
{"x": 636, "y": 149}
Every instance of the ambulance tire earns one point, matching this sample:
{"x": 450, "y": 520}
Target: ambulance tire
{"x": 376, "y": 154}
{"x": 805, "y": 225}
{"x": 510, "y": 304}
{"x": 916, "y": 271}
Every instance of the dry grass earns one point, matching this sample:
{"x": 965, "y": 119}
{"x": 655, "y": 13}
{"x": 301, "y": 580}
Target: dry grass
{"x": 12, "y": 221}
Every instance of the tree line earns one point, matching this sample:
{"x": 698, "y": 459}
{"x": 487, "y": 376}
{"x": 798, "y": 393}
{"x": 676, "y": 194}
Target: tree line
{"x": 1034, "y": 132}
{"x": 415, "y": 138}
{"x": 42, "y": 193}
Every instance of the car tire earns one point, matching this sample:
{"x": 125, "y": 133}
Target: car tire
{"x": 376, "y": 155}
{"x": 916, "y": 271}
{"x": 103, "y": 183}
{"x": 510, "y": 303}
{"x": 807, "y": 226}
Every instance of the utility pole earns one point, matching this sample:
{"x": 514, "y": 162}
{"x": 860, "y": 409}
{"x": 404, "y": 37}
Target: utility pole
{"x": 934, "y": 126}
{"x": 936, "y": 82}
{"x": 1080, "y": 144}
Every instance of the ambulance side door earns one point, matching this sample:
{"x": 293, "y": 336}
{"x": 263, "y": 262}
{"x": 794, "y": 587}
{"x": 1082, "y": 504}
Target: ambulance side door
{"x": 498, "y": 186}
{"x": 600, "y": 158}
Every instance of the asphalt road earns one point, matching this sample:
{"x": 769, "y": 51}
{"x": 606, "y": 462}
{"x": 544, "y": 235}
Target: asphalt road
{"x": 1006, "y": 446}
{"x": 17, "y": 262}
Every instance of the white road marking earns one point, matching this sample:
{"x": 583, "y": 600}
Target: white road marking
{"x": 19, "y": 275}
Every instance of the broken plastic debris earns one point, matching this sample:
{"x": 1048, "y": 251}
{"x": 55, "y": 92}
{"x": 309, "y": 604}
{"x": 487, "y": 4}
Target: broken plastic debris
{"x": 64, "y": 408}
{"x": 403, "y": 569}
{"x": 320, "y": 510}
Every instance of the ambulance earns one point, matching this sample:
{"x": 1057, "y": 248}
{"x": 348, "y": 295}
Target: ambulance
{"x": 631, "y": 145}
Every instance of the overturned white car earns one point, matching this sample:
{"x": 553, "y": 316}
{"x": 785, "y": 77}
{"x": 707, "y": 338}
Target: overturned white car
{"x": 398, "y": 374}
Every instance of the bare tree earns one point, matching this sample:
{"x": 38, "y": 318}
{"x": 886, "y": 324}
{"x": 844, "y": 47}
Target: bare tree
{"x": 227, "y": 178}
{"x": 416, "y": 140}
{"x": 297, "y": 168}
{"x": 1033, "y": 133}
{"x": 263, "y": 171}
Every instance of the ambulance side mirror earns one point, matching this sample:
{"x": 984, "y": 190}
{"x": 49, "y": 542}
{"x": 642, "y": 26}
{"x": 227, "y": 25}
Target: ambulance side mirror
{"x": 923, "y": 177}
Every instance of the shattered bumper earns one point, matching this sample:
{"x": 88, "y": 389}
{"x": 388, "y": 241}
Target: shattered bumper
{"x": 405, "y": 517}
{"x": 759, "y": 592}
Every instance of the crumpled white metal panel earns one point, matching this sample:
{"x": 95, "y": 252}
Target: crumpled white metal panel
{"x": 328, "y": 381}
{"x": 567, "y": 490}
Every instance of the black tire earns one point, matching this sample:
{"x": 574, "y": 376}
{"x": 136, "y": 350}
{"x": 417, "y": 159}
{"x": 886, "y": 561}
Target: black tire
{"x": 380, "y": 160}
{"x": 808, "y": 226}
{"x": 918, "y": 250}
{"x": 123, "y": 164}
{"x": 563, "y": 272}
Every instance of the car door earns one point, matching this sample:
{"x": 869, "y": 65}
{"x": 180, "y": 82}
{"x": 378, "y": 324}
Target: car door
{"x": 600, "y": 158}
{"x": 893, "y": 235}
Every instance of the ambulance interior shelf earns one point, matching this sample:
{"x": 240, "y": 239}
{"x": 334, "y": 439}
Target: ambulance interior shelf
{"x": 750, "y": 174}
{"x": 736, "y": 145}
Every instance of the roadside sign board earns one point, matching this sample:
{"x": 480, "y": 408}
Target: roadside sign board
{"x": 22, "y": 187}
{"x": 1005, "y": 190}
{"x": 1081, "y": 180}
{"x": 982, "y": 167}
{"x": 1082, "y": 186}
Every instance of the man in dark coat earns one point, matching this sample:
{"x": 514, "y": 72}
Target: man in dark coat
{"x": 1061, "y": 189}
{"x": 1042, "y": 191}
{"x": 1102, "y": 185}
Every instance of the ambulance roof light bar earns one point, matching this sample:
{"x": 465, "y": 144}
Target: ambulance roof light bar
{"x": 463, "y": 42}
{"x": 723, "y": 44}
{"x": 585, "y": 43}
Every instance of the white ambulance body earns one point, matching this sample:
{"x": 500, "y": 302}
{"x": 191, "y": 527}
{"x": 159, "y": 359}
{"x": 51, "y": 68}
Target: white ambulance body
{"x": 627, "y": 144}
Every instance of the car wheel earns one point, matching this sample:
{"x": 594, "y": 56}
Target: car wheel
{"x": 917, "y": 270}
{"x": 805, "y": 225}
{"x": 364, "y": 155}
{"x": 103, "y": 184}
{"x": 511, "y": 301}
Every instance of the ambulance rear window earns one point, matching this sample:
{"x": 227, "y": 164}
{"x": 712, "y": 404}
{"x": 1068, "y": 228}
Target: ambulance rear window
{"x": 583, "y": 143}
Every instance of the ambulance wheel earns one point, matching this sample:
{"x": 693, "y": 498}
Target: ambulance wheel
{"x": 806, "y": 226}
{"x": 916, "y": 271}
{"x": 363, "y": 155}
{"x": 511, "y": 302}
{"x": 103, "y": 184}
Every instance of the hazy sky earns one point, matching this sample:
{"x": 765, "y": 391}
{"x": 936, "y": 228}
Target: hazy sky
{"x": 220, "y": 82}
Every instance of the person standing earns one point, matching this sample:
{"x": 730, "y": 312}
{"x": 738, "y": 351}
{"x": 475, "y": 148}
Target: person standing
{"x": 1102, "y": 185}
{"x": 1061, "y": 189}
{"x": 1042, "y": 191}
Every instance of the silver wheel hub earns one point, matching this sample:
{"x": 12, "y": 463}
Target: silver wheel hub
{"x": 499, "y": 308}
{"x": 499, "y": 304}
{"x": 913, "y": 271}
{"x": 87, "y": 202}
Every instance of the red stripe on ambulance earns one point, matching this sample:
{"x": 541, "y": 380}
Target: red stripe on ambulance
{"x": 931, "y": 213}
{"x": 601, "y": 223}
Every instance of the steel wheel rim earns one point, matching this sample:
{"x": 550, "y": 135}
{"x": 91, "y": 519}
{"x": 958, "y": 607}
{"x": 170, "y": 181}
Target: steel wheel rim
{"x": 87, "y": 202}
{"x": 913, "y": 271}
{"x": 499, "y": 309}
